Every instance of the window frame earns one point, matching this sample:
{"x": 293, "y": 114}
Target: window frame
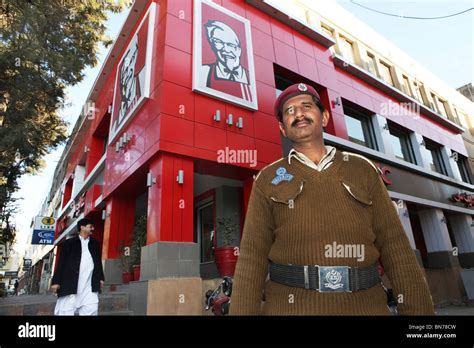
{"x": 350, "y": 42}
{"x": 326, "y": 28}
{"x": 405, "y": 78}
{"x": 371, "y": 60}
{"x": 405, "y": 142}
{"x": 367, "y": 127}
{"x": 437, "y": 156}
{"x": 418, "y": 88}
{"x": 463, "y": 166}
{"x": 390, "y": 72}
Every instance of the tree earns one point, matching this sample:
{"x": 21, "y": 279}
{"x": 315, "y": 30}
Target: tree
{"x": 44, "y": 47}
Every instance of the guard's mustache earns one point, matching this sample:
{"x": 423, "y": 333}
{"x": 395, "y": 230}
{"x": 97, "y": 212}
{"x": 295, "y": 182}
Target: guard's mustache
{"x": 296, "y": 121}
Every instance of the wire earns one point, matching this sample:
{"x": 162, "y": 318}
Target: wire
{"x": 411, "y": 17}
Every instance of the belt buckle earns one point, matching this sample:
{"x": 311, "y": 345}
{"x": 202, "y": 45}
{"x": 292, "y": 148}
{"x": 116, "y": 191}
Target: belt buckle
{"x": 333, "y": 279}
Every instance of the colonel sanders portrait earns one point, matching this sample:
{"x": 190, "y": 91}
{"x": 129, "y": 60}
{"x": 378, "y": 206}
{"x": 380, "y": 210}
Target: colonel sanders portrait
{"x": 226, "y": 74}
{"x": 128, "y": 79}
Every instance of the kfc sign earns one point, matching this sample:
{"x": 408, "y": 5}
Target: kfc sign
{"x": 222, "y": 55}
{"x": 467, "y": 199}
{"x": 132, "y": 81}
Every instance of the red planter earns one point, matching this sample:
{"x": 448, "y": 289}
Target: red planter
{"x": 126, "y": 277}
{"x": 226, "y": 259}
{"x": 136, "y": 272}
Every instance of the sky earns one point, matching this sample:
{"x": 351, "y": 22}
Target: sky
{"x": 443, "y": 46}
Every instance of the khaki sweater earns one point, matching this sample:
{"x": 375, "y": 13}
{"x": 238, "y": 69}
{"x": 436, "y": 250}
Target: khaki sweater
{"x": 291, "y": 222}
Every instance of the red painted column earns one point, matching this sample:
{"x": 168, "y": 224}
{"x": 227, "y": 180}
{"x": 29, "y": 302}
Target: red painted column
{"x": 170, "y": 204}
{"x": 118, "y": 225}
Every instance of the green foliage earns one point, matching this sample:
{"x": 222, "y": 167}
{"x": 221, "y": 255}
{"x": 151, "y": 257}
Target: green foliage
{"x": 44, "y": 47}
{"x": 125, "y": 257}
{"x": 139, "y": 238}
{"x": 228, "y": 229}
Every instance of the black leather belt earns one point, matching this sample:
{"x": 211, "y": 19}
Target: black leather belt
{"x": 326, "y": 278}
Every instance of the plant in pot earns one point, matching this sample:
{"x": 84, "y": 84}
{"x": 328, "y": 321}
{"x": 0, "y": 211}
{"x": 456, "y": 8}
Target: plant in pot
{"x": 227, "y": 253}
{"x": 125, "y": 258}
{"x": 138, "y": 241}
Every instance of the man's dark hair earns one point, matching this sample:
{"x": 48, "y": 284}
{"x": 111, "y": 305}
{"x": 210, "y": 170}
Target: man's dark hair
{"x": 83, "y": 222}
{"x": 315, "y": 100}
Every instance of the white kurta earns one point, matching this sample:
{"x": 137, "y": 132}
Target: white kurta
{"x": 84, "y": 300}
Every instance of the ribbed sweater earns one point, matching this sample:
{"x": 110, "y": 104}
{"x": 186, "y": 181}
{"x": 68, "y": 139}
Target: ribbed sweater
{"x": 346, "y": 203}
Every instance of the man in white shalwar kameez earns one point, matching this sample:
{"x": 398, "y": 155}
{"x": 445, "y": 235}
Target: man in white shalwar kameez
{"x": 84, "y": 300}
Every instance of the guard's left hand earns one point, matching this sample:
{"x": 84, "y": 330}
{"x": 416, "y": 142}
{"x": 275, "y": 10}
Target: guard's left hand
{"x": 101, "y": 284}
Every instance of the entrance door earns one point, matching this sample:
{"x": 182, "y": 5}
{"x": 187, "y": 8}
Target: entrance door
{"x": 205, "y": 230}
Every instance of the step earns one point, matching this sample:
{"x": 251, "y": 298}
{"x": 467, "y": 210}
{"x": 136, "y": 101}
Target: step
{"x": 110, "y": 288}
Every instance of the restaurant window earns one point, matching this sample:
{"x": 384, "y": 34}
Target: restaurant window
{"x": 359, "y": 127}
{"x": 463, "y": 166}
{"x": 386, "y": 73}
{"x": 406, "y": 86}
{"x": 401, "y": 143}
{"x": 371, "y": 63}
{"x": 347, "y": 49}
{"x": 435, "y": 157}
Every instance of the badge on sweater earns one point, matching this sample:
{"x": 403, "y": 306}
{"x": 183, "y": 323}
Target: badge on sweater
{"x": 281, "y": 175}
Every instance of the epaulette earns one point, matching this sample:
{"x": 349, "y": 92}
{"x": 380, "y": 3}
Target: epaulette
{"x": 255, "y": 177}
{"x": 377, "y": 169}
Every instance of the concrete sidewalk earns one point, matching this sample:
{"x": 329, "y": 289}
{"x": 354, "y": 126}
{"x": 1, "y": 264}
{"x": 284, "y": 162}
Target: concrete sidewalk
{"x": 44, "y": 304}
{"x": 455, "y": 310}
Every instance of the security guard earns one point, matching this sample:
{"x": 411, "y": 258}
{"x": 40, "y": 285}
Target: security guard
{"x": 317, "y": 223}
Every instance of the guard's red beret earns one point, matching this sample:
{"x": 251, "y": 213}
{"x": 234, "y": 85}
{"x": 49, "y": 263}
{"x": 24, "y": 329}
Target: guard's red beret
{"x": 294, "y": 90}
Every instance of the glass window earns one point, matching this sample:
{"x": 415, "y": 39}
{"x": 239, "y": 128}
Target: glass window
{"x": 355, "y": 129}
{"x": 463, "y": 166}
{"x": 205, "y": 225}
{"x": 406, "y": 86}
{"x": 443, "y": 107}
{"x": 417, "y": 92}
{"x": 359, "y": 128}
{"x": 401, "y": 144}
{"x": 347, "y": 49}
{"x": 371, "y": 64}
{"x": 385, "y": 73}
{"x": 434, "y": 103}
{"x": 435, "y": 158}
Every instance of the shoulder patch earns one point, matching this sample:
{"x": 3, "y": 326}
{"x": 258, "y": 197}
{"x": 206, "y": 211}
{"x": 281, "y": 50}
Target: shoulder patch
{"x": 377, "y": 170}
{"x": 255, "y": 177}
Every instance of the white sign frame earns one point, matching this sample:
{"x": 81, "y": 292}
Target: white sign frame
{"x": 198, "y": 85}
{"x": 114, "y": 131}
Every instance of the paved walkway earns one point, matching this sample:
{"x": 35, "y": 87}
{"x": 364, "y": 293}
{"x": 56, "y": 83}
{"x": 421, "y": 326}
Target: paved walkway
{"x": 50, "y": 298}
